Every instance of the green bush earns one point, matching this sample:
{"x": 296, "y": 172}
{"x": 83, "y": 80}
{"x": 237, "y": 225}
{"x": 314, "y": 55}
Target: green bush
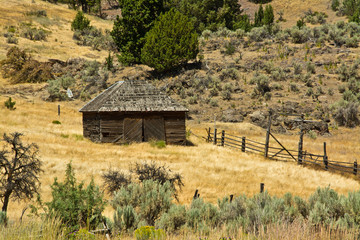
{"x": 150, "y": 199}
{"x": 300, "y": 35}
{"x": 80, "y": 22}
{"x": 258, "y": 34}
{"x": 75, "y": 205}
{"x": 346, "y": 113}
{"x": 202, "y": 214}
{"x": 174, "y": 219}
{"x": 125, "y": 219}
{"x": 149, "y": 233}
{"x": 170, "y": 43}
{"x": 9, "y": 104}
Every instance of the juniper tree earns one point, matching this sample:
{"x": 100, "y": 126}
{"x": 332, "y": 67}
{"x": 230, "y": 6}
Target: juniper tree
{"x": 19, "y": 169}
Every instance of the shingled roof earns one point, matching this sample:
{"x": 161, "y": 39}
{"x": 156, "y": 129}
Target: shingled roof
{"x": 132, "y": 96}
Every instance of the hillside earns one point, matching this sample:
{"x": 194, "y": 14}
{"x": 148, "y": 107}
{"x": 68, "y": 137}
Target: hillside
{"x": 302, "y": 79}
{"x": 215, "y": 171}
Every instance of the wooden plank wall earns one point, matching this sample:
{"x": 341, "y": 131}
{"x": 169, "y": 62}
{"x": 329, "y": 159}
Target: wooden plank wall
{"x": 133, "y": 129}
{"x": 111, "y": 126}
{"x": 175, "y": 130}
{"x": 91, "y": 126}
{"x": 154, "y": 129}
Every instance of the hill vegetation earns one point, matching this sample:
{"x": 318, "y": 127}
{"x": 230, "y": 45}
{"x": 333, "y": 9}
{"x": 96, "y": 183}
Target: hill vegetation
{"x": 245, "y": 58}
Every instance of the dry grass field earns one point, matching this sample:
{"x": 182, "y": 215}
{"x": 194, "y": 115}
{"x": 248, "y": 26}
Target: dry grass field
{"x": 59, "y": 44}
{"x": 215, "y": 171}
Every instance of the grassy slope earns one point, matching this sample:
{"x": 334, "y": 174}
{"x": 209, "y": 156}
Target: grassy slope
{"x": 214, "y": 171}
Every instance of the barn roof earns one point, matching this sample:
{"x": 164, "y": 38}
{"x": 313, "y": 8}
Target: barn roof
{"x": 132, "y": 96}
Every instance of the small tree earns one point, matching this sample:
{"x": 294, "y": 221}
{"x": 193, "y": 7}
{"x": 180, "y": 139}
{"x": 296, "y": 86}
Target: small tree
{"x": 268, "y": 15}
{"x": 170, "y": 43}
{"x": 20, "y": 167}
{"x": 259, "y": 16}
{"x": 80, "y": 22}
{"x": 9, "y": 104}
{"x": 129, "y": 30}
{"x": 75, "y": 205}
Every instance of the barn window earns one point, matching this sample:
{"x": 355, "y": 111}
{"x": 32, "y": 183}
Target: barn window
{"x": 105, "y": 134}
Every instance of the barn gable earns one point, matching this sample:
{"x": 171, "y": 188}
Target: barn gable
{"x": 134, "y": 111}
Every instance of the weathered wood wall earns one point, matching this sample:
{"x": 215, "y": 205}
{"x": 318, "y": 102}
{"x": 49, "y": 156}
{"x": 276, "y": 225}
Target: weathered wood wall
{"x": 111, "y": 127}
{"x": 175, "y": 130}
{"x": 136, "y": 127}
{"x": 91, "y": 126}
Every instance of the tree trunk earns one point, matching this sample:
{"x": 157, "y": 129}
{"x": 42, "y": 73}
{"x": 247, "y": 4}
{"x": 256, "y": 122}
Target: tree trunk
{"x": 6, "y": 200}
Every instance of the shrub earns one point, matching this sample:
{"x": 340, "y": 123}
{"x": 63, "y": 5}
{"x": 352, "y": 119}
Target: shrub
{"x": 75, "y": 205}
{"x": 310, "y": 68}
{"x": 37, "y": 13}
{"x": 352, "y": 42}
{"x": 9, "y": 104}
{"x": 174, "y": 219}
{"x": 125, "y": 218}
{"x": 170, "y": 43}
{"x": 149, "y": 232}
{"x": 202, "y": 214}
{"x": 20, "y": 67}
{"x": 213, "y": 103}
{"x": 294, "y": 87}
{"x": 114, "y": 180}
{"x": 300, "y": 35}
{"x": 57, "y": 87}
{"x": 267, "y": 96}
{"x": 262, "y": 85}
{"x": 150, "y": 199}
{"x": 33, "y": 33}
{"x": 160, "y": 173}
{"x": 226, "y": 95}
{"x": 346, "y": 113}
{"x": 257, "y": 34}
{"x": 335, "y": 5}
{"x": 229, "y": 48}
{"x": 297, "y": 68}
{"x": 80, "y": 22}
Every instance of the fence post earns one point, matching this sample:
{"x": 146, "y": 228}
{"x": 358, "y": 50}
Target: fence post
{"x": 58, "y": 110}
{"x": 209, "y": 137}
{"x": 215, "y": 136}
{"x": 355, "y": 167}
{"x": 262, "y": 185}
{"x": 268, "y": 135}
{"x": 231, "y": 197}
{"x": 300, "y": 151}
{"x": 222, "y": 138}
{"x": 243, "y": 144}
{"x": 195, "y": 194}
{"x": 325, "y": 157}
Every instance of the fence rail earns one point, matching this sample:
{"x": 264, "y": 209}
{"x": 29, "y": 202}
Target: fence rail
{"x": 281, "y": 153}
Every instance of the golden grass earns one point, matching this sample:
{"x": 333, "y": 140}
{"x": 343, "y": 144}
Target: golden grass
{"x": 59, "y": 44}
{"x": 215, "y": 171}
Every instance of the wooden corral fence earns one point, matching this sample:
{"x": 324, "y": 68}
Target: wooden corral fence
{"x": 221, "y": 138}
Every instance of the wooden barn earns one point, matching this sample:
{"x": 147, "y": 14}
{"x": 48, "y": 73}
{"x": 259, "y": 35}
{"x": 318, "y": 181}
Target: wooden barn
{"x": 134, "y": 111}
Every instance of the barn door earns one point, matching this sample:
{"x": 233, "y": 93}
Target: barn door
{"x": 154, "y": 129}
{"x": 133, "y": 129}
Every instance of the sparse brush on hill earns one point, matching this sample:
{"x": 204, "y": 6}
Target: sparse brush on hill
{"x": 20, "y": 67}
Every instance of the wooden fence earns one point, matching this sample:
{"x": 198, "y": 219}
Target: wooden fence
{"x": 281, "y": 153}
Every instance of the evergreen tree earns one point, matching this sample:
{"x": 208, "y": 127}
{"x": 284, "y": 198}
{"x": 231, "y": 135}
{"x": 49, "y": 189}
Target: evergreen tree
{"x": 80, "y": 22}
{"x": 259, "y": 16}
{"x": 171, "y": 42}
{"x": 129, "y": 31}
{"x": 268, "y": 15}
